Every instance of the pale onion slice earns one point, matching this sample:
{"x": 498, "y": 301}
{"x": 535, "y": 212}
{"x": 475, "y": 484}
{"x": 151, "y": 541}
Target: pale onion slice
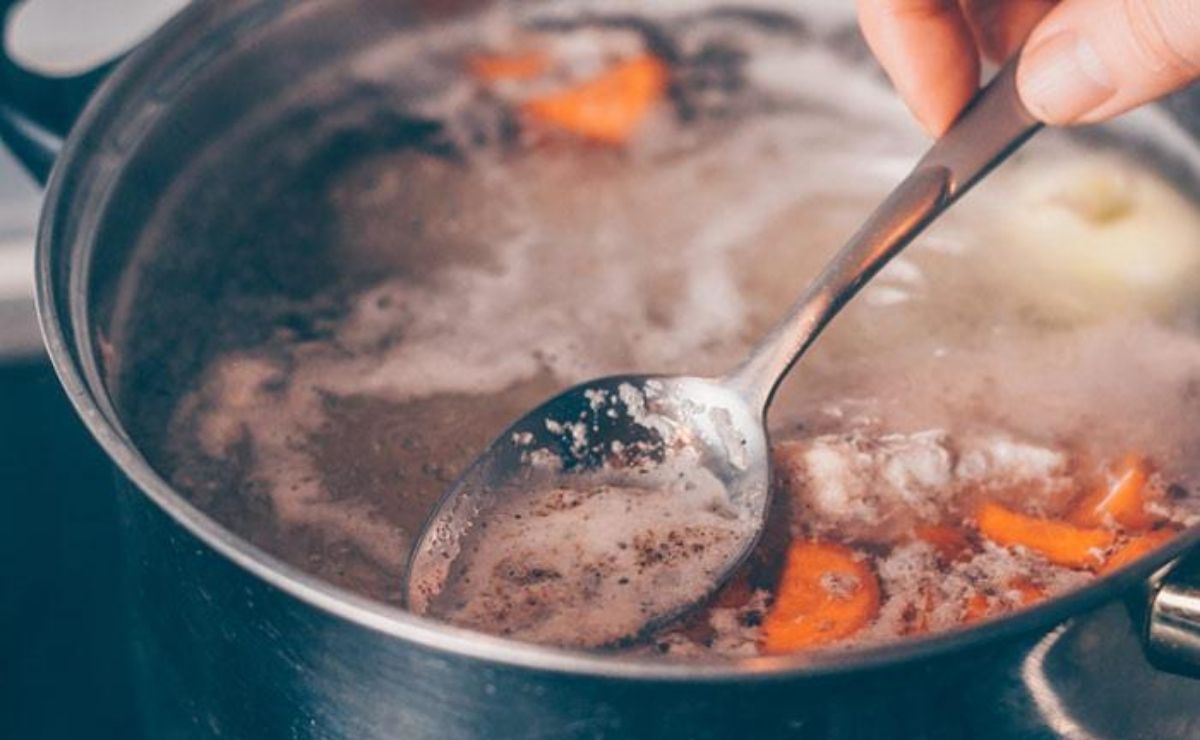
{"x": 1101, "y": 234}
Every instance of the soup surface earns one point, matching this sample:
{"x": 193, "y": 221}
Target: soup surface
{"x": 1004, "y": 413}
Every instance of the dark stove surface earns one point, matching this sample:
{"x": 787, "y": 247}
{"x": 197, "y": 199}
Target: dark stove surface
{"x": 64, "y": 656}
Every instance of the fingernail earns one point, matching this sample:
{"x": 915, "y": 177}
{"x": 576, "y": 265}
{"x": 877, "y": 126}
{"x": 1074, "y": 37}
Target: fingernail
{"x": 1063, "y": 78}
{"x": 931, "y": 115}
{"x": 932, "y": 124}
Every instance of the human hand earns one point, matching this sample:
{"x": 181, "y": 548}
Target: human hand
{"x": 1083, "y": 60}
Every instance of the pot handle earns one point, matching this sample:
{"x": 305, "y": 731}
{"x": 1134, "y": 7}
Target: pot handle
{"x": 37, "y": 111}
{"x": 1172, "y": 620}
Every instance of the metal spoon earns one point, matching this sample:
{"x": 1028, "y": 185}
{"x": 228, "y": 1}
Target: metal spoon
{"x": 625, "y": 501}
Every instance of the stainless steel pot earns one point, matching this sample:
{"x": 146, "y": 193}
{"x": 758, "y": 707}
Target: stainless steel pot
{"x": 232, "y": 642}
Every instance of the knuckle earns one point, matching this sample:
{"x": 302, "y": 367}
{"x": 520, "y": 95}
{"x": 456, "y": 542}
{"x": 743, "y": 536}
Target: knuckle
{"x": 1164, "y": 34}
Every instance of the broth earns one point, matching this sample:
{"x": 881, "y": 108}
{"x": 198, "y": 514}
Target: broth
{"x": 1039, "y": 335}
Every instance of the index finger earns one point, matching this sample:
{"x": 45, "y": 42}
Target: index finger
{"x": 927, "y": 49}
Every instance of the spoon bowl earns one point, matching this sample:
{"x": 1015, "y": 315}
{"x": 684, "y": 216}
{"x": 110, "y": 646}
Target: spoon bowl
{"x": 677, "y": 464}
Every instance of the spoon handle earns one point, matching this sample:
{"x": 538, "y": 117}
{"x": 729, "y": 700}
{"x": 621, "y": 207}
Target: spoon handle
{"x": 991, "y": 127}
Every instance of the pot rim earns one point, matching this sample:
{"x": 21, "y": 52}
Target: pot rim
{"x": 67, "y": 341}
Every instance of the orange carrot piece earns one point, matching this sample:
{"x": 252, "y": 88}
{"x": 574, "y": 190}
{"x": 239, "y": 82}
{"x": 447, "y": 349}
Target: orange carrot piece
{"x": 1121, "y": 500}
{"x": 1136, "y": 547}
{"x": 606, "y": 108}
{"x": 951, "y": 543}
{"x": 1030, "y": 592}
{"x": 976, "y": 608}
{"x": 1059, "y": 542}
{"x": 523, "y": 65}
{"x": 827, "y": 592}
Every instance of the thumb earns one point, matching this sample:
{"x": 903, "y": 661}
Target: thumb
{"x": 1089, "y": 60}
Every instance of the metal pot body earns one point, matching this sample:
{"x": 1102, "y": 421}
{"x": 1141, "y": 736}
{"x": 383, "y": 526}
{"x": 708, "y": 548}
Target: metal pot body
{"x": 220, "y": 653}
{"x": 231, "y": 643}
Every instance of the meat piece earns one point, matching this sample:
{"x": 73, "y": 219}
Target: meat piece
{"x": 998, "y": 465}
{"x": 863, "y": 488}
{"x": 876, "y": 489}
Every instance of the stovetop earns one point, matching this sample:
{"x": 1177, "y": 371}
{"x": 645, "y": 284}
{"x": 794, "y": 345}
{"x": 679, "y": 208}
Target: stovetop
{"x": 64, "y": 655}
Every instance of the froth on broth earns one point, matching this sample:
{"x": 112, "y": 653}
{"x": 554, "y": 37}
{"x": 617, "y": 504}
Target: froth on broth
{"x": 1003, "y": 414}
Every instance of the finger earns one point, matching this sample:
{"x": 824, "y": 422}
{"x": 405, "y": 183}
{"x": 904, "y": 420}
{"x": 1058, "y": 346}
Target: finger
{"x": 926, "y": 48}
{"x": 1001, "y": 26}
{"x": 1092, "y": 59}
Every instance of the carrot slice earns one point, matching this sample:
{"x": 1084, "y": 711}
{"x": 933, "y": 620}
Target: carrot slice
{"x": 978, "y": 605}
{"x": 976, "y": 608}
{"x": 1120, "y": 501}
{"x": 523, "y": 65}
{"x": 606, "y": 108}
{"x": 1059, "y": 542}
{"x": 1030, "y": 592}
{"x": 827, "y": 593}
{"x": 951, "y": 543}
{"x": 1137, "y": 547}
